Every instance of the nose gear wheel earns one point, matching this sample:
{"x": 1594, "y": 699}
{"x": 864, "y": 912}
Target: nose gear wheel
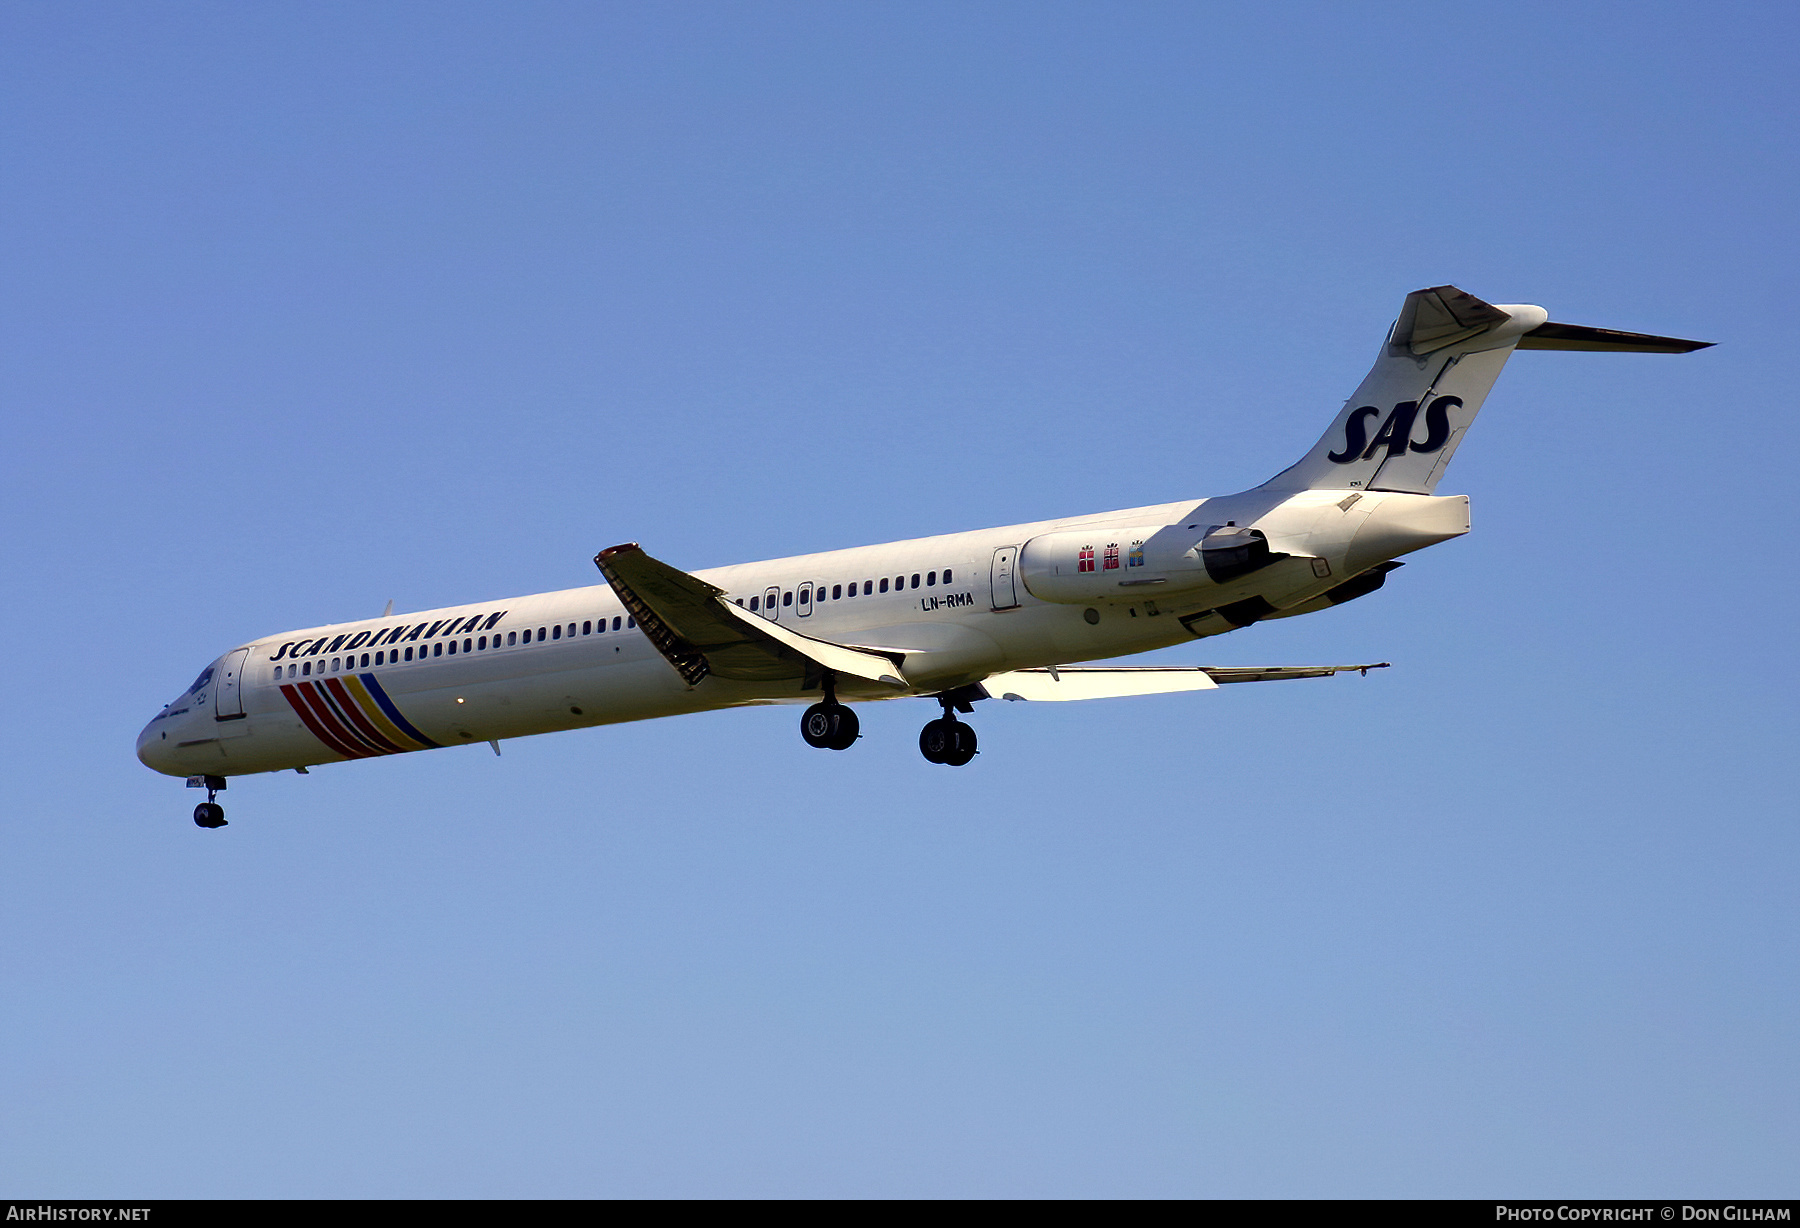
{"x": 208, "y": 813}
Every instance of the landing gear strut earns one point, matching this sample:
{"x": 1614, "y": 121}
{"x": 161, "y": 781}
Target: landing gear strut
{"x": 830, "y": 725}
{"x": 208, "y": 813}
{"x": 947, "y": 740}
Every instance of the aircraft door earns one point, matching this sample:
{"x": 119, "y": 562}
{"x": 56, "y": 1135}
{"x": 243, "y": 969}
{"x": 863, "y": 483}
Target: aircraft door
{"x": 803, "y": 600}
{"x": 228, "y": 688}
{"x": 772, "y": 604}
{"x": 1006, "y": 564}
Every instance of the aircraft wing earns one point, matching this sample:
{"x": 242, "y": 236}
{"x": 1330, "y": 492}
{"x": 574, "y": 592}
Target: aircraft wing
{"x": 1222, "y": 674}
{"x": 699, "y": 632}
{"x": 1112, "y": 682}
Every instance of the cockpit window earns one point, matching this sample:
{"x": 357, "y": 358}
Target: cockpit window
{"x": 204, "y": 678}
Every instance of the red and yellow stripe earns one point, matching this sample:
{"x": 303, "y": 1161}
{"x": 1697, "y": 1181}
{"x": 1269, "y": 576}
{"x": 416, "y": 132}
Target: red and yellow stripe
{"x": 354, "y": 716}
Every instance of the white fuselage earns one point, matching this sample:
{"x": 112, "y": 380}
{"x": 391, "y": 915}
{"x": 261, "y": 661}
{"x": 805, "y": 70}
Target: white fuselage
{"x": 959, "y": 607}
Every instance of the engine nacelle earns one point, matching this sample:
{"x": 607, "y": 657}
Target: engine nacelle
{"x": 1082, "y": 566}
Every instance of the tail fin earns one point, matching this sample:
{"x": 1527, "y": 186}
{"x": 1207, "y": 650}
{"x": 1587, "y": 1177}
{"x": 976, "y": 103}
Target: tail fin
{"x": 1400, "y": 428}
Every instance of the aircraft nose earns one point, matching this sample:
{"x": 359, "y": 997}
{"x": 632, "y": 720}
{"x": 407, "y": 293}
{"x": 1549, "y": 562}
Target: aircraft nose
{"x": 155, "y": 751}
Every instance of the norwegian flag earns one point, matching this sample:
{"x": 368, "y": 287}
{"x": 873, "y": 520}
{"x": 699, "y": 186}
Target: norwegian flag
{"x": 1111, "y": 558}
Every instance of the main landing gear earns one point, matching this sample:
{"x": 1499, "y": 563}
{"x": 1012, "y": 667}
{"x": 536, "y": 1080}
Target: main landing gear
{"x": 829, "y": 725}
{"x": 947, "y": 740}
{"x": 208, "y": 813}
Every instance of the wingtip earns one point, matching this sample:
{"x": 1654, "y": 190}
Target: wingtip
{"x": 612, "y": 552}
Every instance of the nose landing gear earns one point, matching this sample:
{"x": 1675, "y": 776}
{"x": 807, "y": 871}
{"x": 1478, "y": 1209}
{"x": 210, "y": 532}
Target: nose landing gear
{"x": 829, "y": 725}
{"x": 947, "y": 740}
{"x": 208, "y": 813}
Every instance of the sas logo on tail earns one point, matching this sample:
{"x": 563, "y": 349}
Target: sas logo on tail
{"x": 1396, "y": 432}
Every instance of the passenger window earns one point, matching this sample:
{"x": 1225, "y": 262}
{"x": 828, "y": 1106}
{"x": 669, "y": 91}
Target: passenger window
{"x": 615, "y": 622}
{"x": 467, "y": 645}
{"x": 453, "y": 648}
{"x": 540, "y": 635}
{"x": 587, "y": 627}
{"x": 946, "y": 575}
{"x": 571, "y": 630}
{"x": 291, "y": 670}
{"x": 868, "y": 588}
{"x": 556, "y": 632}
{"x": 409, "y": 654}
{"x": 884, "y": 584}
{"x": 365, "y": 660}
{"x": 306, "y": 669}
{"x": 437, "y": 650}
{"x": 787, "y": 598}
{"x": 837, "y": 590}
{"x": 931, "y": 579}
{"x": 630, "y": 622}
{"x": 755, "y": 603}
{"x": 334, "y": 665}
{"x": 915, "y": 579}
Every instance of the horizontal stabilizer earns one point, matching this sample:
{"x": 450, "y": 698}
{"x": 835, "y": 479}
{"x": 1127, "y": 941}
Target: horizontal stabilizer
{"x": 1432, "y": 319}
{"x": 1101, "y": 682}
{"x": 1553, "y": 336}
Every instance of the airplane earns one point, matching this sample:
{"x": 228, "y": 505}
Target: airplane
{"x": 957, "y": 618}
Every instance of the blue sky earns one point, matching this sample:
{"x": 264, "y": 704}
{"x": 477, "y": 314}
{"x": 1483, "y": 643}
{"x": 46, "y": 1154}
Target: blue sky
{"x": 308, "y": 307}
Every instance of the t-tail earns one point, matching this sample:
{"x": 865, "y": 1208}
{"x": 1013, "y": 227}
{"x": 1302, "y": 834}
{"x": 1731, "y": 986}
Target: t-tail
{"x": 1399, "y": 430}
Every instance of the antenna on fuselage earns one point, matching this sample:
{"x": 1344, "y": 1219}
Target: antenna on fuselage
{"x": 390, "y": 608}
